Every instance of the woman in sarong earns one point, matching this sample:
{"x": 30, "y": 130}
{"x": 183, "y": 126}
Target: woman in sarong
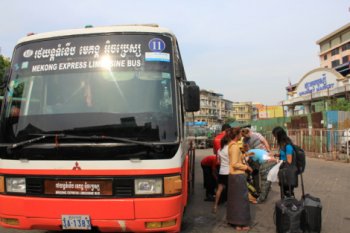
{"x": 238, "y": 209}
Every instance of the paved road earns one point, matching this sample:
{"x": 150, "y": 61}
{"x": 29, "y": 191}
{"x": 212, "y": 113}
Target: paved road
{"x": 326, "y": 180}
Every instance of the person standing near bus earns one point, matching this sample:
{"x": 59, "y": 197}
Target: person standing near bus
{"x": 223, "y": 171}
{"x": 209, "y": 168}
{"x": 217, "y": 139}
{"x": 222, "y": 162}
{"x": 238, "y": 209}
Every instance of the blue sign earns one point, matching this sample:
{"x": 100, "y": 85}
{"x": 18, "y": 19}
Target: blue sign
{"x": 156, "y": 45}
{"x": 316, "y": 85}
{"x": 197, "y": 123}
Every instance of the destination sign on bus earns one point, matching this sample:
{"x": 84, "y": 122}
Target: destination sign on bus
{"x": 122, "y": 52}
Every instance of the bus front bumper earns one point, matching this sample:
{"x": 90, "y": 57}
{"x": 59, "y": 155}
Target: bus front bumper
{"x": 107, "y": 215}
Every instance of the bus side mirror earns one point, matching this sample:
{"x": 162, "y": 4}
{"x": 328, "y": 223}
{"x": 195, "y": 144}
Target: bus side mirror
{"x": 191, "y": 97}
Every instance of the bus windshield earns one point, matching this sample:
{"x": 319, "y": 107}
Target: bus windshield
{"x": 111, "y": 85}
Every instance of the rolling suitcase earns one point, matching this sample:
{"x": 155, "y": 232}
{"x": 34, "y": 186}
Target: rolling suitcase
{"x": 312, "y": 216}
{"x": 288, "y": 214}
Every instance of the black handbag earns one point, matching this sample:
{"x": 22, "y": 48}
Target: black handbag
{"x": 288, "y": 175}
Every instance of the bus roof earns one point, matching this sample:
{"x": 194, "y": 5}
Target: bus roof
{"x": 147, "y": 28}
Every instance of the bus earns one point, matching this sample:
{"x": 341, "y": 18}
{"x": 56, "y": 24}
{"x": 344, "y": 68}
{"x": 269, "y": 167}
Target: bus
{"x": 93, "y": 132}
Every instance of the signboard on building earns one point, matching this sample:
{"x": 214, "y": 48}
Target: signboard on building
{"x": 320, "y": 80}
{"x": 264, "y": 111}
{"x": 270, "y": 112}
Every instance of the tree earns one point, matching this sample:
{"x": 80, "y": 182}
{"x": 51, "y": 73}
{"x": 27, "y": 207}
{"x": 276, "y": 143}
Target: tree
{"x": 340, "y": 105}
{"x": 4, "y": 64}
{"x": 230, "y": 120}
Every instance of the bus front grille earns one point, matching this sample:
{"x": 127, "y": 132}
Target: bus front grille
{"x": 121, "y": 187}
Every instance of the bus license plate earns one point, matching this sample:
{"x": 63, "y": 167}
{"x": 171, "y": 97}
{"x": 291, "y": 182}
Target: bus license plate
{"x": 76, "y": 222}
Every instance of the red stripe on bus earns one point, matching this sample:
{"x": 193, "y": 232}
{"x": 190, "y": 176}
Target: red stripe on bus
{"x": 90, "y": 172}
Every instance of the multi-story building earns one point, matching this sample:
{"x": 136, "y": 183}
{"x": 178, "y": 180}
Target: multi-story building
{"x": 335, "y": 50}
{"x": 242, "y": 112}
{"x": 331, "y": 81}
{"x": 214, "y": 109}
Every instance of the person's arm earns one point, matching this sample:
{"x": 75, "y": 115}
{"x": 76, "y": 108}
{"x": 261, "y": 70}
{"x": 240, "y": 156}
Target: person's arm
{"x": 235, "y": 159}
{"x": 264, "y": 141}
{"x": 249, "y": 154}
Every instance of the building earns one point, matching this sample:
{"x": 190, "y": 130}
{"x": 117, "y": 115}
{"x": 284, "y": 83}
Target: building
{"x": 242, "y": 112}
{"x": 214, "y": 109}
{"x": 261, "y": 111}
{"x": 326, "y": 84}
{"x": 335, "y": 50}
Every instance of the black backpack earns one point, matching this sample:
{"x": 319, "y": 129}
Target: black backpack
{"x": 299, "y": 157}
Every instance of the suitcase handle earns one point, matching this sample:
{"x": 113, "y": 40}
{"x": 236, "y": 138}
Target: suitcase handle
{"x": 302, "y": 186}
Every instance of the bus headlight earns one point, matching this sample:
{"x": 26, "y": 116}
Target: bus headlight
{"x": 15, "y": 185}
{"x": 148, "y": 186}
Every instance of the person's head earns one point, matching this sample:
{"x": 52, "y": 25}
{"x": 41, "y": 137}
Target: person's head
{"x": 15, "y": 111}
{"x": 225, "y": 126}
{"x": 281, "y": 136}
{"x": 233, "y": 133}
{"x": 245, "y": 147}
{"x": 276, "y": 130}
{"x": 246, "y": 132}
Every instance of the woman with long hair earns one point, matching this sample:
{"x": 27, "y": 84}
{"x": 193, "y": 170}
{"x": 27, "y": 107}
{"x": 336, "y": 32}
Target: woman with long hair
{"x": 286, "y": 152}
{"x": 224, "y": 168}
{"x": 238, "y": 210}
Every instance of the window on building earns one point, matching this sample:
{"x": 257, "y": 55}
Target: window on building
{"x": 345, "y": 59}
{"x": 335, "y": 51}
{"x": 335, "y": 63}
{"x": 345, "y": 47}
{"x": 325, "y": 57}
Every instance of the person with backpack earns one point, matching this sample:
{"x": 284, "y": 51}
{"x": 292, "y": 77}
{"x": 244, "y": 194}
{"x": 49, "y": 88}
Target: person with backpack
{"x": 288, "y": 180}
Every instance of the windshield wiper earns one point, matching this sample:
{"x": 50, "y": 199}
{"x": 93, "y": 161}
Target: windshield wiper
{"x": 69, "y": 136}
{"x": 30, "y": 141}
{"x": 150, "y": 144}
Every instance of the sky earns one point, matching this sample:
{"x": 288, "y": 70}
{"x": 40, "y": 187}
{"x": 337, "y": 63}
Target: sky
{"x": 247, "y": 50}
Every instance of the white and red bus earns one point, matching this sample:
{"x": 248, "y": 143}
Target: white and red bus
{"x": 93, "y": 132}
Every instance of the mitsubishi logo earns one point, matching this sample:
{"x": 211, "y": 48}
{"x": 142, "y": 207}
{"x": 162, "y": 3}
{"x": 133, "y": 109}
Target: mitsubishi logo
{"x": 76, "y": 167}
